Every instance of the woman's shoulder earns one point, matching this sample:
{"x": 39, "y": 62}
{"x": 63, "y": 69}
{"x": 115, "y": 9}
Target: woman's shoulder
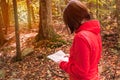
{"x": 84, "y": 36}
{"x": 81, "y": 35}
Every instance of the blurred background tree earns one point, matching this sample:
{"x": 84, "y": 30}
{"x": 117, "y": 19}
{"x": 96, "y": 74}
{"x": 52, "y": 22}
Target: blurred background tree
{"x": 2, "y": 36}
{"x": 118, "y": 20}
{"x": 45, "y": 25}
{"x": 4, "y": 4}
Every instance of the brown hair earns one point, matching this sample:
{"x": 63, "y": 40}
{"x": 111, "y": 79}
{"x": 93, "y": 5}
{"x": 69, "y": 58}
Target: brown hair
{"x": 74, "y": 14}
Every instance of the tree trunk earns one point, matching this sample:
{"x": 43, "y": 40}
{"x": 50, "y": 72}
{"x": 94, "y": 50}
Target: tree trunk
{"x": 97, "y": 9}
{"x": 18, "y": 51}
{"x": 59, "y": 8}
{"x": 2, "y": 38}
{"x": 118, "y": 13}
{"x": 29, "y": 13}
{"x": 5, "y": 13}
{"x": 45, "y": 28}
{"x": 118, "y": 19}
{"x": 33, "y": 14}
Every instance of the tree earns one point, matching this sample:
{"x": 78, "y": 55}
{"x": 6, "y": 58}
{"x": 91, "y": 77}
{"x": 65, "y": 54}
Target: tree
{"x": 29, "y": 13}
{"x": 18, "y": 51}
{"x": 118, "y": 19}
{"x": 2, "y": 38}
{"x": 97, "y": 8}
{"x": 32, "y": 14}
{"x": 45, "y": 28}
{"x": 5, "y": 13}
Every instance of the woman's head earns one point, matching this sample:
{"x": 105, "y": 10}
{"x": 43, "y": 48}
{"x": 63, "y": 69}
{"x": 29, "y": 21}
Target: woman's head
{"x": 74, "y": 14}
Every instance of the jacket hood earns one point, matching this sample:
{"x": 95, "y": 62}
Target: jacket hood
{"x": 92, "y": 26}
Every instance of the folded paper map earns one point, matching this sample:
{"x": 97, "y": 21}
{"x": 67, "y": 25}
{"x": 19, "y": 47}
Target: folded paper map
{"x": 58, "y": 56}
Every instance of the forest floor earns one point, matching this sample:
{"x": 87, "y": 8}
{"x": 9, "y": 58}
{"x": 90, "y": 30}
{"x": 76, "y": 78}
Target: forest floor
{"x": 36, "y": 66}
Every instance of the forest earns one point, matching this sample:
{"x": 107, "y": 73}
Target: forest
{"x": 30, "y": 30}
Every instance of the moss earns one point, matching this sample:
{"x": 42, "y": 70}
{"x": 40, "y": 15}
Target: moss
{"x": 51, "y": 43}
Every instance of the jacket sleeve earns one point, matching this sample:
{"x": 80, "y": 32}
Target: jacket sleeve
{"x": 79, "y": 64}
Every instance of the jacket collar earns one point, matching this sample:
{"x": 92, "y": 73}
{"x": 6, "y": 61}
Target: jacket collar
{"x": 91, "y": 25}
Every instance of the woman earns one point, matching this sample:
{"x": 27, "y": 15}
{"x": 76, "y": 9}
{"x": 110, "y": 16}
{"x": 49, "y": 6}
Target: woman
{"x": 86, "y": 49}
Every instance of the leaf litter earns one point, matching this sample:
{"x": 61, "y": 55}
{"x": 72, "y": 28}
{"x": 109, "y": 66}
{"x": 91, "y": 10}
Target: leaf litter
{"x": 37, "y": 66}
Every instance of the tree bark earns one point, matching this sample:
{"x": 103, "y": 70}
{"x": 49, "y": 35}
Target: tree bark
{"x": 118, "y": 19}
{"x": 118, "y": 13}
{"x": 29, "y": 13}
{"x": 2, "y": 38}
{"x": 33, "y": 14}
{"x": 5, "y": 13}
{"x": 45, "y": 28}
{"x": 97, "y": 9}
{"x": 18, "y": 51}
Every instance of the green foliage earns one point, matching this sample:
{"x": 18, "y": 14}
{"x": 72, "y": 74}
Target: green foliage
{"x": 56, "y": 43}
{"x": 53, "y": 43}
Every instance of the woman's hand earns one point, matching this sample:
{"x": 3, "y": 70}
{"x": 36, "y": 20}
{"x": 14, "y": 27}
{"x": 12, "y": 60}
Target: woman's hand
{"x": 67, "y": 55}
{"x": 59, "y": 62}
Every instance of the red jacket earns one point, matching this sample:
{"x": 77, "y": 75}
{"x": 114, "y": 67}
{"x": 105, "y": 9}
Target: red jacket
{"x": 85, "y": 53}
